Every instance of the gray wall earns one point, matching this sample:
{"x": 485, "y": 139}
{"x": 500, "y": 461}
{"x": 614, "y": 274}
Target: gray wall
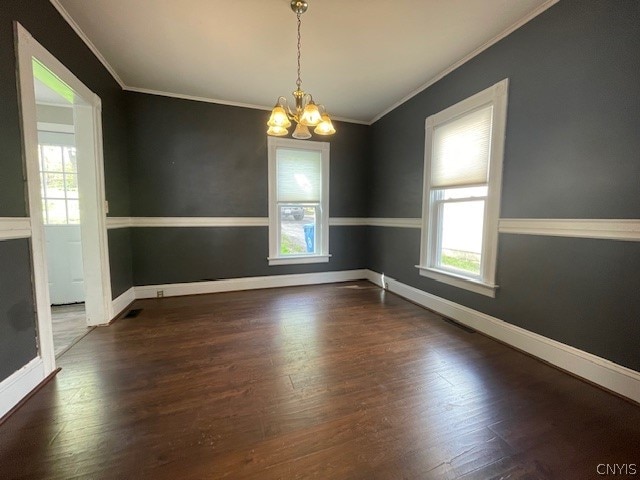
{"x": 120, "y": 261}
{"x": 176, "y": 255}
{"x": 572, "y": 151}
{"x": 17, "y": 325}
{"x": 200, "y": 159}
{"x": 41, "y": 19}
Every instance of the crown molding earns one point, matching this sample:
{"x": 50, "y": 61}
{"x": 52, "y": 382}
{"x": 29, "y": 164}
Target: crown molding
{"x": 545, "y": 6}
{"x": 67, "y": 17}
{"x": 194, "y": 98}
{"x": 218, "y": 101}
{"x": 76, "y": 28}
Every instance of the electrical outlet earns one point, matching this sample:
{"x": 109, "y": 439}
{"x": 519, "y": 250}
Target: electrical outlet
{"x": 160, "y": 293}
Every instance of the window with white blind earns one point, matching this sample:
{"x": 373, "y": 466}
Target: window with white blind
{"x": 462, "y": 182}
{"x": 298, "y": 201}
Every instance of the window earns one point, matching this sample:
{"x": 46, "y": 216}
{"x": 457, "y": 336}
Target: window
{"x": 462, "y": 180}
{"x": 58, "y": 178}
{"x": 298, "y": 201}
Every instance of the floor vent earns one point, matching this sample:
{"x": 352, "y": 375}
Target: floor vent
{"x": 133, "y": 313}
{"x": 459, "y": 325}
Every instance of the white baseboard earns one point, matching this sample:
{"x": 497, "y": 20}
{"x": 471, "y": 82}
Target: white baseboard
{"x": 15, "y": 387}
{"x": 121, "y": 302}
{"x": 600, "y": 371}
{"x": 248, "y": 283}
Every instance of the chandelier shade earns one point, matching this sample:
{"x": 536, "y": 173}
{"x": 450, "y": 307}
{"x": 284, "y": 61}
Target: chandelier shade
{"x": 279, "y": 118}
{"x": 301, "y": 132}
{"x": 310, "y": 115}
{"x": 306, "y": 113}
{"x": 325, "y": 127}
{"x": 277, "y": 131}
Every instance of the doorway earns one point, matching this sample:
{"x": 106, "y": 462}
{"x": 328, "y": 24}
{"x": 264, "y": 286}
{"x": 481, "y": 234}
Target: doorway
{"x": 62, "y": 134}
{"x": 58, "y": 166}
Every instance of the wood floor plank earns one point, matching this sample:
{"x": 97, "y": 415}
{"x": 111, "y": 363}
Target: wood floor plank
{"x": 339, "y": 381}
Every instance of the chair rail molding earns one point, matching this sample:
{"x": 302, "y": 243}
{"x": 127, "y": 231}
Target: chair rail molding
{"x": 599, "y": 228}
{"x": 15, "y": 227}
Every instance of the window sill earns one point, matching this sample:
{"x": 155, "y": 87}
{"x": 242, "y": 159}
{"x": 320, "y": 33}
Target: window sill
{"x": 298, "y": 259}
{"x": 459, "y": 281}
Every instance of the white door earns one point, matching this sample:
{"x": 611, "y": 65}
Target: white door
{"x": 61, "y": 214}
{"x": 64, "y": 261}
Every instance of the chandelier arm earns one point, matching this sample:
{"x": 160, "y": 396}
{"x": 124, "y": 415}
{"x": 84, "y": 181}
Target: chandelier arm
{"x": 285, "y": 104}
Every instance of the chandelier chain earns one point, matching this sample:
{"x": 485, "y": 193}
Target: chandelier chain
{"x": 299, "y": 80}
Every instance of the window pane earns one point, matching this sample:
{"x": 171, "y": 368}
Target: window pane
{"x": 71, "y": 185}
{"x": 40, "y": 157}
{"x": 299, "y": 175}
{"x": 73, "y": 207}
{"x": 461, "y": 241}
{"x": 52, "y": 158}
{"x": 298, "y": 230}
{"x": 56, "y": 212}
{"x": 460, "y": 154}
{"x": 70, "y": 162}
{"x": 54, "y": 185}
{"x": 42, "y": 184}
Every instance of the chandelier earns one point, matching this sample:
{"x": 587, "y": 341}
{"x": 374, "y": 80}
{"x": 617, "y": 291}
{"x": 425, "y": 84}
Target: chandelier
{"x": 307, "y": 113}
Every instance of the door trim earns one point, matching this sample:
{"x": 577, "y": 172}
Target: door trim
{"x": 87, "y": 110}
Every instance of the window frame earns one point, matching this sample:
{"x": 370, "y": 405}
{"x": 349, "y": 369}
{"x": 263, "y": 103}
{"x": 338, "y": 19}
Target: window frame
{"x": 61, "y": 139}
{"x": 496, "y": 96}
{"x": 322, "y": 220}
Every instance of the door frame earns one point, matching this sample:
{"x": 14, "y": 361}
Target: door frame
{"x": 93, "y": 208}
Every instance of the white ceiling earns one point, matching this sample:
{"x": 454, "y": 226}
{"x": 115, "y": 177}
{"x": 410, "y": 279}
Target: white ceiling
{"x": 359, "y": 58}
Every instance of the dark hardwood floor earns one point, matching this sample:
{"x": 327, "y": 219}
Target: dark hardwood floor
{"x": 330, "y": 382}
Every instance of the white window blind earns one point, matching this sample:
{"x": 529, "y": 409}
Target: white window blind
{"x": 299, "y": 175}
{"x": 461, "y": 149}
{"x": 56, "y": 138}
